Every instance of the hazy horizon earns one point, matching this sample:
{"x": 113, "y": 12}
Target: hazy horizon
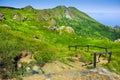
{"x": 106, "y": 12}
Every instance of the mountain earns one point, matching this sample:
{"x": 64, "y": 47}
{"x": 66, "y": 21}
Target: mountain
{"x": 82, "y": 24}
{"x": 44, "y": 35}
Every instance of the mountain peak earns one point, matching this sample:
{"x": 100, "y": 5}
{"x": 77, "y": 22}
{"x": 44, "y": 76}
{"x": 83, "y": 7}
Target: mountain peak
{"x": 61, "y": 6}
{"x": 28, "y": 7}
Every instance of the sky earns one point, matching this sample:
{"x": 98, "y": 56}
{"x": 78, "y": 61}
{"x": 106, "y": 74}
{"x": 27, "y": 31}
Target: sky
{"x": 106, "y": 12}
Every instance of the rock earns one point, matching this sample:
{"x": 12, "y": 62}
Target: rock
{"x": 65, "y": 28}
{"x": 35, "y": 77}
{"x": 52, "y": 28}
{"x": 67, "y": 14}
{"x": 69, "y": 29}
{"x": 19, "y": 17}
{"x": 2, "y": 17}
{"x": 36, "y": 68}
{"x": 15, "y": 17}
{"x": 118, "y": 40}
{"x": 29, "y": 70}
{"x": 105, "y": 72}
{"x": 24, "y": 18}
{"x": 73, "y": 59}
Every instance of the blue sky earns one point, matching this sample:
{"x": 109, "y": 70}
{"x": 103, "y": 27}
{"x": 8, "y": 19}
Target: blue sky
{"x": 104, "y": 11}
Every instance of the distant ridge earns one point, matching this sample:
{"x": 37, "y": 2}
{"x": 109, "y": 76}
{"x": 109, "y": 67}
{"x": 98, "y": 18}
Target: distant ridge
{"x": 8, "y": 7}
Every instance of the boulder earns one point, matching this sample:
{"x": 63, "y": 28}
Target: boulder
{"x": 35, "y": 67}
{"x": 15, "y": 17}
{"x": 2, "y": 17}
{"x": 52, "y": 28}
{"x": 19, "y": 17}
{"x": 66, "y": 28}
{"x": 69, "y": 29}
{"x": 118, "y": 40}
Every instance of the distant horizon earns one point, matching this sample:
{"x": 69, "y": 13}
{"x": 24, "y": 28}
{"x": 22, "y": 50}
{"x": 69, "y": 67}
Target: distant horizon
{"x": 106, "y": 12}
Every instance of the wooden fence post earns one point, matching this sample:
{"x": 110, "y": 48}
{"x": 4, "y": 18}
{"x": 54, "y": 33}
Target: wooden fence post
{"x": 69, "y": 48}
{"x": 88, "y": 46}
{"x": 94, "y": 58}
{"x": 109, "y": 59}
{"x": 75, "y": 47}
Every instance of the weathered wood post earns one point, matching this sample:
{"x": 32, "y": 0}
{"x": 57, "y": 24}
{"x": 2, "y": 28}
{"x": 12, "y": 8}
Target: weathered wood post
{"x": 88, "y": 46}
{"x": 69, "y": 48}
{"x": 106, "y": 49}
{"x": 109, "y": 59}
{"x": 75, "y": 47}
{"x": 94, "y": 58}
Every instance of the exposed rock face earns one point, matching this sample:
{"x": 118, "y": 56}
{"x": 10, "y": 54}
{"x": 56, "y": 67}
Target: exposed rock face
{"x": 67, "y": 14}
{"x": 2, "y": 17}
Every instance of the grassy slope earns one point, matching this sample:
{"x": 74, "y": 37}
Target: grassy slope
{"x": 16, "y": 35}
{"x": 84, "y": 25}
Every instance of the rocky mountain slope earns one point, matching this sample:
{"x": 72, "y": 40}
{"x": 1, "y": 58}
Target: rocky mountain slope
{"x": 83, "y": 24}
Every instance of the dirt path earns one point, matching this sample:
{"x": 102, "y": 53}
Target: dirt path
{"x": 94, "y": 74}
{"x": 73, "y": 70}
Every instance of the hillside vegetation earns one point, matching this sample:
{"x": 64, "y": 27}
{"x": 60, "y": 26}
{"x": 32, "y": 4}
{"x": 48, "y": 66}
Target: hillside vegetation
{"x": 47, "y": 33}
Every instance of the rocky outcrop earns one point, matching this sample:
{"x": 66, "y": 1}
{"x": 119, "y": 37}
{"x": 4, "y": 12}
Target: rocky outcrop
{"x": 19, "y": 17}
{"x": 2, "y": 17}
{"x": 67, "y": 14}
{"x": 65, "y": 28}
{"x": 52, "y": 28}
{"x": 118, "y": 40}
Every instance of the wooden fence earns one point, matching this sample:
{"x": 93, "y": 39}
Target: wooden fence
{"x": 95, "y": 53}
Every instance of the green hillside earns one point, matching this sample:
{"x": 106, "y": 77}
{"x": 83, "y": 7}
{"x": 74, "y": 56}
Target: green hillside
{"x": 47, "y": 33}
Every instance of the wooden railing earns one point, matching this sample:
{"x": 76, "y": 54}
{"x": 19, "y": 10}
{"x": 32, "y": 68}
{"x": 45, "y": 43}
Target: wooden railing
{"x": 87, "y": 46}
{"x": 95, "y": 53}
